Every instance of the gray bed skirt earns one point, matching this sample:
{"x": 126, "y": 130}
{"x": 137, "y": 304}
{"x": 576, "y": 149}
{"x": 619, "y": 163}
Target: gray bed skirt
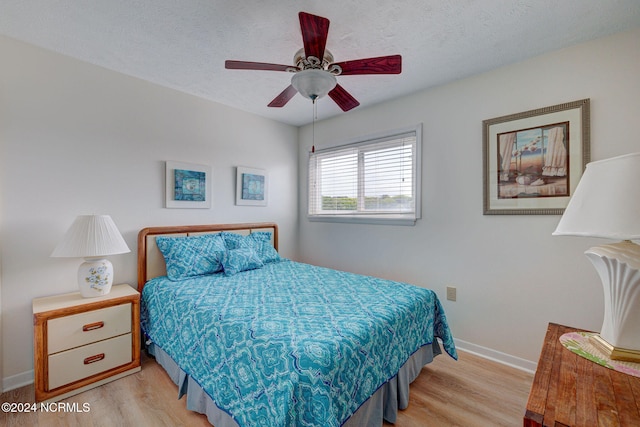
{"x": 384, "y": 403}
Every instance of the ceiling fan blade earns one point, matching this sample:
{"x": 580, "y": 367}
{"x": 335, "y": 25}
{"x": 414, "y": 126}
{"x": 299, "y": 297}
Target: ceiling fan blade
{"x": 245, "y": 65}
{"x": 343, "y": 98}
{"x": 284, "y": 97}
{"x": 380, "y": 65}
{"x": 314, "y": 34}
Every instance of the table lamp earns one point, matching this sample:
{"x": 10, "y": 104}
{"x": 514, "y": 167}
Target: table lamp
{"x": 606, "y": 204}
{"x": 92, "y": 237}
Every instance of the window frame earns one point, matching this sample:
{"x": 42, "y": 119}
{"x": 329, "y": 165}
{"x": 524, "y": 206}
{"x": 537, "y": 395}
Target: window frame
{"x": 374, "y": 218}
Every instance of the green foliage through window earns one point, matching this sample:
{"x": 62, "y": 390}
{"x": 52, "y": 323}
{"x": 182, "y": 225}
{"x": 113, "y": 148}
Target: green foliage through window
{"x": 372, "y": 178}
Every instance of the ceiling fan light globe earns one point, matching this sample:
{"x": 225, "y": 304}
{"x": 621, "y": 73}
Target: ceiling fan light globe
{"x": 313, "y": 84}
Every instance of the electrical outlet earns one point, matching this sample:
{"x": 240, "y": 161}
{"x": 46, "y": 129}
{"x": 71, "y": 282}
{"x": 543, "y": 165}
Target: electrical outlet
{"x": 451, "y": 293}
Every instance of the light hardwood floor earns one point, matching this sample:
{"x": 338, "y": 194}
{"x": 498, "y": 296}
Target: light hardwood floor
{"x": 469, "y": 392}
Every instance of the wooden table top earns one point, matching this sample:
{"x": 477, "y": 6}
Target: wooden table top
{"x": 569, "y": 390}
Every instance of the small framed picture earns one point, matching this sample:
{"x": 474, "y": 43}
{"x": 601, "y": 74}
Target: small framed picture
{"x": 187, "y": 185}
{"x": 251, "y": 187}
{"x": 534, "y": 160}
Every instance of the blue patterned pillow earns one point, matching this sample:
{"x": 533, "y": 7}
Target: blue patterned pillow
{"x": 233, "y": 240}
{"x": 241, "y": 259}
{"x": 192, "y": 256}
{"x": 259, "y": 241}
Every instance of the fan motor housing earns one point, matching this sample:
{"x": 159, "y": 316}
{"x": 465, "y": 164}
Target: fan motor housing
{"x": 309, "y": 63}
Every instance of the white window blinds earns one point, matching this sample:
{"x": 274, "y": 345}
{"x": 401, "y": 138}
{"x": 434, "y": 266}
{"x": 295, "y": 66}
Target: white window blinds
{"x": 376, "y": 180}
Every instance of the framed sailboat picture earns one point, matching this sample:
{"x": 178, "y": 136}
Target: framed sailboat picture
{"x": 532, "y": 161}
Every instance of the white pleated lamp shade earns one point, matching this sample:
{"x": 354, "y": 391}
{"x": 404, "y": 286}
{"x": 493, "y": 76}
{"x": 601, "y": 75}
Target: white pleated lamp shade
{"x": 606, "y": 202}
{"x": 91, "y": 236}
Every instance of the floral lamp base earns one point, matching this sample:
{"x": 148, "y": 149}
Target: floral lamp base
{"x": 95, "y": 277}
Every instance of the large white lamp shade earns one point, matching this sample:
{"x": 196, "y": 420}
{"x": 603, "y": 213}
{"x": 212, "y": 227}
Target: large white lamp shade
{"x": 92, "y": 237}
{"x": 606, "y": 204}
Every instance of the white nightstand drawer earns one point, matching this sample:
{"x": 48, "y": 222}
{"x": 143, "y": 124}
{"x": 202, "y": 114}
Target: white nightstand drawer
{"x": 79, "y": 329}
{"x": 82, "y": 362}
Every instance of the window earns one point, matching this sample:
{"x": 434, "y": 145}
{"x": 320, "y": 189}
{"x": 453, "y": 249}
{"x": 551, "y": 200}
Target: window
{"x": 376, "y": 180}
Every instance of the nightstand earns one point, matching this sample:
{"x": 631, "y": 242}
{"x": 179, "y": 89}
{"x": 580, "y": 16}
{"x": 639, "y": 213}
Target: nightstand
{"x": 569, "y": 390}
{"x": 81, "y": 343}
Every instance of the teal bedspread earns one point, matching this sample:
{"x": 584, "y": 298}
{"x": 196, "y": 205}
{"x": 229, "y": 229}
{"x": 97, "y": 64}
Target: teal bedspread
{"x": 291, "y": 344}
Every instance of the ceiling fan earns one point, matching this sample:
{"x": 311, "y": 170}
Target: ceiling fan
{"x": 315, "y": 71}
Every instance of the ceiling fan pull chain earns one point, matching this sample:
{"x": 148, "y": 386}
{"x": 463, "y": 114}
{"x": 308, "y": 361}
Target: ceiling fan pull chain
{"x": 315, "y": 109}
{"x": 313, "y": 125}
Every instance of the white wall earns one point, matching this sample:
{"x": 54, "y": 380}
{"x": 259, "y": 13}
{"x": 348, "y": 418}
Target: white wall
{"x": 511, "y": 275}
{"x": 75, "y": 139}
{"x": 78, "y": 139}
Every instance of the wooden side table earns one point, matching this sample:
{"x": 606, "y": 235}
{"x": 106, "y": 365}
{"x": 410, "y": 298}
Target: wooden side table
{"x": 569, "y": 390}
{"x": 81, "y": 343}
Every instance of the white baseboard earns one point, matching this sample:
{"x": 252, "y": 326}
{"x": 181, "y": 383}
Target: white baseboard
{"x": 17, "y": 381}
{"x": 496, "y": 356}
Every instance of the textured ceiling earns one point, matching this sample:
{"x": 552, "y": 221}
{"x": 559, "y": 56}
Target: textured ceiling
{"x": 183, "y": 44}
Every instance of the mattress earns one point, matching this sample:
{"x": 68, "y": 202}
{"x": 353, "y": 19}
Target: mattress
{"x": 290, "y": 343}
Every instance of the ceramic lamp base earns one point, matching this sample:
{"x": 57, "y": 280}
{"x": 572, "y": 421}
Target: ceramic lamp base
{"x": 618, "y": 266}
{"x": 95, "y": 277}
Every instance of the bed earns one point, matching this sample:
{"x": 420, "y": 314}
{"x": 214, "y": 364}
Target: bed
{"x": 253, "y": 339}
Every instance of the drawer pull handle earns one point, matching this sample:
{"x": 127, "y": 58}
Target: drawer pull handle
{"x": 92, "y": 326}
{"x": 94, "y": 359}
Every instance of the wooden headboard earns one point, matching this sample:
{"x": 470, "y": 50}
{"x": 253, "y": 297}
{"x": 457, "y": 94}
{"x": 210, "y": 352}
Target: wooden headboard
{"x": 150, "y": 260}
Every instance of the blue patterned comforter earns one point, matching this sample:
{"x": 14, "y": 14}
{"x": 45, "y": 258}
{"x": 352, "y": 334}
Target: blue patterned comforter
{"x": 291, "y": 344}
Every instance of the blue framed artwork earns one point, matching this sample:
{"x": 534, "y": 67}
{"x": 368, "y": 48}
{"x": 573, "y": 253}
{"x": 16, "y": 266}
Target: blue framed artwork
{"x": 251, "y": 187}
{"x": 187, "y": 185}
